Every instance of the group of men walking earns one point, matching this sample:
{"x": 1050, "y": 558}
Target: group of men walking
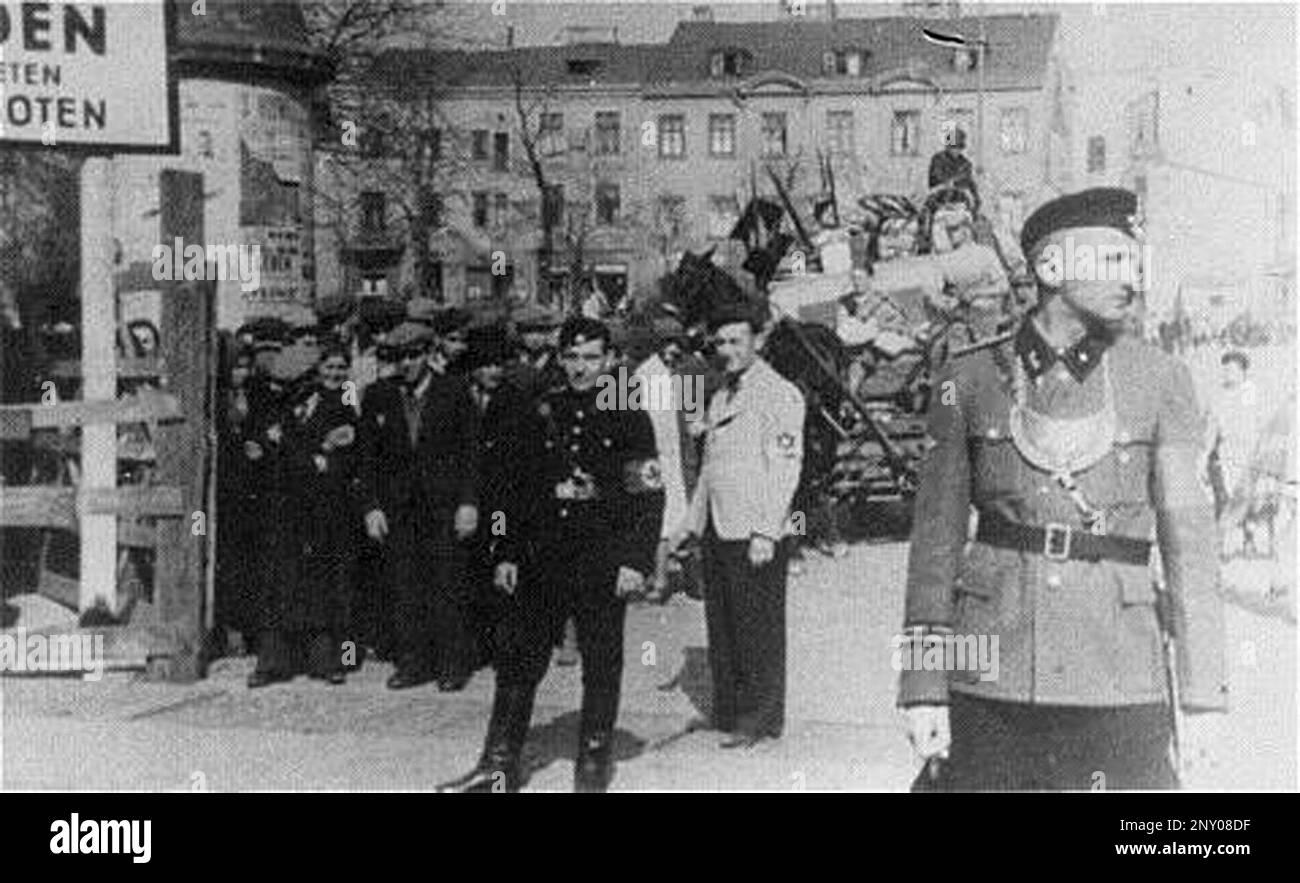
{"x": 1060, "y": 457}
{"x": 502, "y": 495}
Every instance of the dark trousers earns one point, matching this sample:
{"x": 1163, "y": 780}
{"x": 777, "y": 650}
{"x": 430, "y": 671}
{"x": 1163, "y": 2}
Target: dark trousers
{"x": 290, "y": 651}
{"x": 429, "y": 602}
{"x": 1013, "y": 746}
{"x": 549, "y": 593}
{"x": 744, "y": 608}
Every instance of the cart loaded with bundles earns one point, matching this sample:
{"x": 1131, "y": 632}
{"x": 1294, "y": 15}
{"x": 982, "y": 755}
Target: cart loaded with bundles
{"x": 863, "y": 318}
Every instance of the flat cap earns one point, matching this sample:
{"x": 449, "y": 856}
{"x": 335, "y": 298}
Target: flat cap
{"x": 748, "y": 311}
{"x": 408, "y": 334}
{"x": 536, "y": 317}
{"x": 578, "y": 330}
{"x": 488, "y": 345}
{"x": 1111, "y": 207}
{"x": 267, "y": 328}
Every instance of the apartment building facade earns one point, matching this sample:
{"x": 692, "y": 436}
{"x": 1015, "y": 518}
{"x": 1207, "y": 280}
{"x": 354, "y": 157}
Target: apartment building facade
{"x": 649, "y": 150}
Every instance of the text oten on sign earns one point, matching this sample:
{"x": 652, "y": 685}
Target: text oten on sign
{"x": 86, "y": 75}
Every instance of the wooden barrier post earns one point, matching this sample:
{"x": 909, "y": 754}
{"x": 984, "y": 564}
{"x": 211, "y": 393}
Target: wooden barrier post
{"x": 183, "y": 448}
{"x": 98, "y": 571}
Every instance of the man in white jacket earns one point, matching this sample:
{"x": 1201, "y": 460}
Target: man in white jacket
{"x": 752, "y": 457}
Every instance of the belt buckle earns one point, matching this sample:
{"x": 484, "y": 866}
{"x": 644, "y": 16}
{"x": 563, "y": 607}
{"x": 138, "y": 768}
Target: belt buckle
{"x": 1056, "y": 541}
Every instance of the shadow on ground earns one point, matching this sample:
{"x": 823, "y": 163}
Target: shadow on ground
{"x": 557, "y": 740}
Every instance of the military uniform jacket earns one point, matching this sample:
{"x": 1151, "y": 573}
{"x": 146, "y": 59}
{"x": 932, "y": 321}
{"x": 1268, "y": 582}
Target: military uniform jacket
{"x": 1071, "y": 632}
{"x": 752, "y": 457}
{"x": 435, "y": 473}
{"x": 582, "y": 482}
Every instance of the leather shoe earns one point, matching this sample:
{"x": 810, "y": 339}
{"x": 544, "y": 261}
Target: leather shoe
{"x": 266, "y": 678}
{"x": 594, "y": 768}
{"x": 742, "y": 740}
{"x": 481, "y": 780}
{"x": 402, "y": 680}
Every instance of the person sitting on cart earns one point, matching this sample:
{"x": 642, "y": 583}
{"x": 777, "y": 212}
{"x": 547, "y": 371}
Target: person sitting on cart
{"x": 950, "y": 170}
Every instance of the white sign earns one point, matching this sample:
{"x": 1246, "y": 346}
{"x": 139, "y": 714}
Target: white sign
{"x": 87, "y": 75}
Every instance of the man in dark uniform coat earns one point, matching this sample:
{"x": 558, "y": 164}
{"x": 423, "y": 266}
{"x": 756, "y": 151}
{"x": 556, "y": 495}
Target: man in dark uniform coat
{"x": 502, "y": 407}
{"x": 1077, "y": 446}
{"x": 420, "y": 471}
{"x": 580, "y": 537}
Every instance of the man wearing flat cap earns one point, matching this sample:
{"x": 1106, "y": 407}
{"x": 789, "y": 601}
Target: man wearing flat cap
{"x": 581, "y": 523}
{"x": 1079, "y": 448}
{"x": 419, "y": 429}
{"x": 536, "y": 366}
{"x": 753, "y": 453}
{"x": 501, "y": 408}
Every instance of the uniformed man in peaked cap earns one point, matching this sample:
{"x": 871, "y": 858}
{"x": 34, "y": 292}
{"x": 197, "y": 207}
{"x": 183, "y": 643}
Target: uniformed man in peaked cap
{"x": 581, "y": 523}
{"x": 1032, "y": 653}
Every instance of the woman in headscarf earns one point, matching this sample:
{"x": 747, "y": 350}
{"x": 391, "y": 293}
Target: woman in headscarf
{"x": 305, "y": 614}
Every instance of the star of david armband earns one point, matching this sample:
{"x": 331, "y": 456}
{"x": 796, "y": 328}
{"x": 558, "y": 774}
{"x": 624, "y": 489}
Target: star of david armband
{"x": 786, "y": 444}
{"x": 643, "y": 476}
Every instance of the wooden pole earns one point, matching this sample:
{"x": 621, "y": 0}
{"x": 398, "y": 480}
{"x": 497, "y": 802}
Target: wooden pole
{"x": 99, "y": 379}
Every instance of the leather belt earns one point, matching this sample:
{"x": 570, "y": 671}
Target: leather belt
{"x": 1059, "y": 542}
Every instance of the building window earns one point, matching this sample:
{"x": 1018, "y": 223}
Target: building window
{"x": 774, "y": 141}
{"x": 842, "y": 63}
{"x": 435, "y": 145}
{"x": 374, "y": 286}
{"x": 722, "y": 134}
{"x": 550, "y": 134}
{"x": 1144, "y": 124}
{"x": 905, "y": 133}
{"x": 500, "y": 210}
{"x": 553, "y": 206}
{"x": 672, "y": 136}
{"x": 607, "y": 203}
{"x": 583, "y": 67}
{"x": 501, "y": 151}
{"x": 480, "y": 144}
{"x": 1096, "y": 154}
{"x": 480, "y": 210}
{"x": 1015, "y": 130}
{"x": 608, "y": 133}
{"x": 671, "y": 220}
{"x": 954, "y": 120}
{"x": 481, "y": 283}
{"x": 728, "y": 63}
{"x": 372, "y": 212}
{"x": 430, "y": 208}
{"x": 724, "y": 211}
{"x": 839, "y": 131}
{"x": 373, "y": 143}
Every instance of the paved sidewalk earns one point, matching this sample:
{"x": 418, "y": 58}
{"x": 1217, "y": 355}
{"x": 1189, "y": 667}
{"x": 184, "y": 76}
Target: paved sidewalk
{"x": 843, "y": 732}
